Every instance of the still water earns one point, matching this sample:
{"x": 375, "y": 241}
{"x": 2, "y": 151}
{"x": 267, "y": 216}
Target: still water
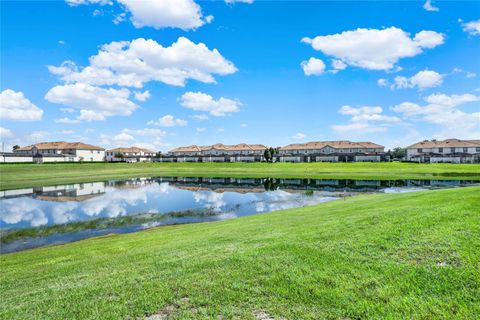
{"x": 40, "y": 216}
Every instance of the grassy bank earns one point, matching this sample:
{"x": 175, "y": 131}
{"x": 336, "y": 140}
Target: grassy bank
{"x": 412, "y": 255}
{"x": 28, "y": 175}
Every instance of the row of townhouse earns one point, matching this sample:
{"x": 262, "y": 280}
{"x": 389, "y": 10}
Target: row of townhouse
{"x": 331, "y": 151}
{"x": 216, "y": 153}
{"x": 445, "y": 151}
{"x": 427, "y": 151}
{"x": 61, "y": 151}
{"x": 433, "y": 151}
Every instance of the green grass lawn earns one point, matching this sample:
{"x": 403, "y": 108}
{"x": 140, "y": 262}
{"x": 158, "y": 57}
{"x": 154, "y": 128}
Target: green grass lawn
{"x": 27, "y": 175}
{"x": 389, "y": 256}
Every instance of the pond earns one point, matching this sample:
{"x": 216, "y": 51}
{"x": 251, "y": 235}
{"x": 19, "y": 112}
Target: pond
{"x": 40, "y": 216}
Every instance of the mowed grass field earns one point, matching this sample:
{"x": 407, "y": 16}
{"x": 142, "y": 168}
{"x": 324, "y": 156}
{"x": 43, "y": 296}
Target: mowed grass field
{"x": 379, "y": 256}
{"x": 28, "y": 175}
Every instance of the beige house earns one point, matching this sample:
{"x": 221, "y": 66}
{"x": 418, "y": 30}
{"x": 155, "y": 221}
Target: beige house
{"x": 445, "y": 151}
{"x": 332, "y": 151}
{"x": 61, "y": 151}
{"x": 242, "y": 152}
{"x": 131, "y": 154}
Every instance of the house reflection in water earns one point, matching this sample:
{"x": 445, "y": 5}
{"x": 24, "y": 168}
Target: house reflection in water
{"x": 84, "y": 191}
{"x": 98, "y": 208}
{"x": 62, "y": 193}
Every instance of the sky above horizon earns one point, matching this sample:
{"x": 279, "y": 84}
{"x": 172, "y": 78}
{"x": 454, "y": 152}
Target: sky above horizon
{"x": 167, "y": 73}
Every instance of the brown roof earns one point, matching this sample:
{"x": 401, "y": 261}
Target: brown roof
{"x": 445, "y": 143}
{"x": 241, "y": 146}
{"x": 334, "y": 144}
{"x": 190, "y": 149}
{"x": 220, "y": 146}
{"x": 131, "y": 149}
{"x": 60, "y": 145}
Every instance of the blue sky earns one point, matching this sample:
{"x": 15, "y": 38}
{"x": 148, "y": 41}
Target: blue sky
{"x": 179, "y": 72}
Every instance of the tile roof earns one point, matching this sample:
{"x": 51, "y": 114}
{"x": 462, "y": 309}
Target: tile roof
{"x": 334, "y": 144}
{"x": 60, "y": 145}
{"x": 448, "y": 143}
{"x": 131, "y": 149}
{"x": 220, "y": 146}
{"x": 191, "y": 148}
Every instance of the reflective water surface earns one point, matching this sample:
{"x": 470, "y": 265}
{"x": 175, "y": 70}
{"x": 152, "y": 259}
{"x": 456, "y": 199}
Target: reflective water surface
{"x": 41, "y": 216}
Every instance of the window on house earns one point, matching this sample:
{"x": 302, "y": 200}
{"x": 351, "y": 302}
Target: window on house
{"x": 477, "y": 149}
{"x": 465, "y": 150}
{"x": 452, "y": 150}
{"x": 440, "y": 150}
{"x": 419, "y": 150}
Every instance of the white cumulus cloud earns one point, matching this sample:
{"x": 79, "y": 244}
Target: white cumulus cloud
{"x": 168, "y": 121}
{"x": 472, "y": 27}
{"x": 67, "y": 120}
{"x": 16, "y": 107}
{"x": 429, "y": 6}
{"x": 158, "y": 14}
{"x": 338, "y": 65}
{"x": 199, "y": 101}
{"x": 183, "y": 14}
{"x": 443, "y": 110}
{"x": 364, "y": 120}
{"x": 313, "y": 66}
{"x": 374, "y": 49}
{"x": 123, "y": 137}
{"x": 299, "y": 136}
{"x": 5, "y": 133}
{"x": 422, "y": 80}
{"x": 200, "y": 117}
{"x": 133, "y": 63}
{"x": 142, "y": 96}
{"x": 94, "y": 103}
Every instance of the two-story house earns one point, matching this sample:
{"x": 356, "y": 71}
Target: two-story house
{"x": 61, "y": 151}
{"x": 242, "y": 152}
{"x": 332, "y": 151}
{"x": 131, "y": 154}
{"x": 445, "y": 151}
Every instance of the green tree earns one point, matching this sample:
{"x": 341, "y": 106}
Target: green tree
{"x": 119, "y": 155}
{"x": 15, "y": 147}
{"x": 267, "y": 155}
{"x": 398, "y": 153}
{"x": 270, "y": 153}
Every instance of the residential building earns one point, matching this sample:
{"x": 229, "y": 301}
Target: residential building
{"x": 11, "y": 157}
{"x": 131, "y": 154}
{"x": 61, "y": 151}
{"x": 332, "y": 151}
{"x": 445, "y": 151}
{"x": 242, "y": 152}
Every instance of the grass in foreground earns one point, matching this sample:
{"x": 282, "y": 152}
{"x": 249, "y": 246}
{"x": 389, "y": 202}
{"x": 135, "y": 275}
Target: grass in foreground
{"x": 29, "y": 175}
{"x": 412, "y": 255}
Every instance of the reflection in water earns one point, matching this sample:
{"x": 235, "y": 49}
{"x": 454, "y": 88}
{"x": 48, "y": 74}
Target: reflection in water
{"x": 44, "y": 215}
